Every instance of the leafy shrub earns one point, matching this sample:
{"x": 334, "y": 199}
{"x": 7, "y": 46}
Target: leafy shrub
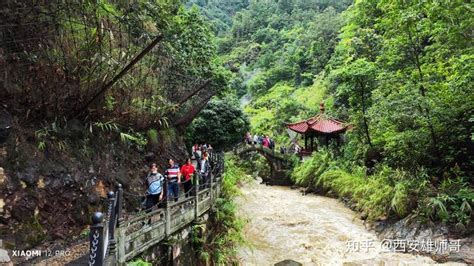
{"x": 308, "y": 172}
{"x": 376, "y": 195}
{"x": 452, "y": 203}
{"x": 227, "y": 227}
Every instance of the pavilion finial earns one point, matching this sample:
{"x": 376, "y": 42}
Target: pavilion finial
{"x": 321, "y": 107}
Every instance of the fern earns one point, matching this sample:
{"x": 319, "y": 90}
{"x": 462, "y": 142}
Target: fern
{"x": 109, "y": 126}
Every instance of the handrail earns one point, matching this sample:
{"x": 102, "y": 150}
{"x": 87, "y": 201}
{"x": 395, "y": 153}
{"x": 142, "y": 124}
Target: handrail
{"x": 114, "y": 240}
{"x": 245, "y": 148}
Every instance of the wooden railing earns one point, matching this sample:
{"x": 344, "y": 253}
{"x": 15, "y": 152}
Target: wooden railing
{"x": 115, "y": 239}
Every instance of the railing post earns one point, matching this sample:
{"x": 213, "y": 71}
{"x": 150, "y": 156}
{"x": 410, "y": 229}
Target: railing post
{"x": 96, "y": 238}
{"x": 167, "y": 212}
{"x": 210, "y": 185}
{"x": 120, "y": 246}
{"x": 120, "y": 239}
{"x": 196, "y": 197}
{"x": 118, "y": 204}
{"x": 112, "y": 222}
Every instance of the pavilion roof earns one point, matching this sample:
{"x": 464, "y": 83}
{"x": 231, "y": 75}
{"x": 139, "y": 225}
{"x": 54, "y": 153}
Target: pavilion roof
{"x": 320, "y": 124}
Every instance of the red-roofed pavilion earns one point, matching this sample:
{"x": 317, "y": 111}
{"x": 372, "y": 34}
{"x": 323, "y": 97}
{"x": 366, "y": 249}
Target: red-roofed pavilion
{"x": 318, "y": 126}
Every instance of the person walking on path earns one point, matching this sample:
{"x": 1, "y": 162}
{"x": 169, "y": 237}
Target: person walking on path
{"x": 205, "y": 169}
{"x": 266, "y": 142}
{"x": 194, "y": 152}
{"x": 199, "y": 153}
{"x": 248, "y": 138}
{"x": 173, "y": 176}
{"x": 154, "y": 192}
{"x": 187, "y": 171}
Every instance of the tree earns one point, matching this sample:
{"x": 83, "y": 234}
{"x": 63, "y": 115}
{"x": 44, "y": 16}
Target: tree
{"x": 355, "y": 83}
{"x": 222, "y": 124}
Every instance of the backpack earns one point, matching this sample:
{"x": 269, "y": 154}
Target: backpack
{"x": 155, "y": 182}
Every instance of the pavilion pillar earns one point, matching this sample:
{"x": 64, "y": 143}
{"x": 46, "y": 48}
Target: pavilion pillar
{"x": 305, "y": 142}
{"x": 317, "y": 141}
{"x": 312, "y": 142}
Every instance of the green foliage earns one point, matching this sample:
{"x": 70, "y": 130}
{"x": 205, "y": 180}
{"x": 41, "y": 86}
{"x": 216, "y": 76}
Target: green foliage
{"x": 278, "y": 58}
{"x": 233, "y": 176}
{"x": 399, "y": 72}
{"x": 219, "y": 12}
{"x": 309, "y": 171}
{"x": 222, "y": 124}
{"x": 377, "y": 195}
{"x": 152, "y": 135}
{"x": 396, "y": 76}
{"x": 85, "y": 232}
{"x": 138, "y": 262}
{"x": 51, "y": 137}
{"x": 388, "y": 191}
{"x": 109, "y": 126}
{"x": 228, "y": 227}
{"x": 281, "y": 104}
{"x": 452, "y": 203}
{"x": 89, "y": 43}
{"x": 33, "y": 230}
{"x": 374, "y": 195}
{"x": 133, "y": 138}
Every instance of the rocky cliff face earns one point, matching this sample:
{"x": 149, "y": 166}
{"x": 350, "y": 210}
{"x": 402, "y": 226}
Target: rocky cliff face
{"x": 50, "y": 194}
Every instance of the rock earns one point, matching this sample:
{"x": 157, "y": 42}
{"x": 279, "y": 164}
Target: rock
{"x": 465, "y": 253}
{"x": 411, "y": 229}
{"x": 75, "y": 129}
{"x": 53, "y": 183}
{"x": 4, "y": 258}
{"x": 2, "y": 176}
{"x": 29, "y": 177}
{"x": 67, "y": 179}
{"x": 372, "y": 262}
{"x": 41, "y": 182}
{"x": 288, "y": 263}
{"x": 91, "y": 170}
{"x": 93, "y": 198}
{"x": 150, "y": 157}
{"x": 6, "y": 122}
{"x": 77, "y": 177}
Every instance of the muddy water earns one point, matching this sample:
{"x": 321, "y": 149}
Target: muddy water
{"x": 313, "y": 230}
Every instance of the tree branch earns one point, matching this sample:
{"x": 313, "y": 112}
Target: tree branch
{"x": 119, "y": 75}
{"x": 204, "y": 85}
{"x": 188, "y": 117}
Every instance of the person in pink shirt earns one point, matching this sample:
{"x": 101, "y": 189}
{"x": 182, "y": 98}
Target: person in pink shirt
{"x": 266, "y": 142}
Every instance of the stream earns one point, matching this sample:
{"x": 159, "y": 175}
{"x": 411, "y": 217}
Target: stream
{"x": 313, "y": 230}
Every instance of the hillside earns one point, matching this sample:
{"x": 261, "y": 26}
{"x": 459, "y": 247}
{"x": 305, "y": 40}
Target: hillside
{"x": 400, "y": 74}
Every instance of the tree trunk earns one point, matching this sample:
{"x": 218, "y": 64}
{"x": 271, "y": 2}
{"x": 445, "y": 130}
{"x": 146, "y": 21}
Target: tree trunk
{"x": 364, "y": 118}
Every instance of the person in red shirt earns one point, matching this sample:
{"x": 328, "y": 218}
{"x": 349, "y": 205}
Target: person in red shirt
{"x": 187, "y": 171}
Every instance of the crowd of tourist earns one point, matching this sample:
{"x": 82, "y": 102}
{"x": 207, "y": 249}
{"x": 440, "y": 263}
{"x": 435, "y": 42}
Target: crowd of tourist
{"x": 263, "y": 140}
{"x": 269, "y": 143}
{"x": 167, "y": 186}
